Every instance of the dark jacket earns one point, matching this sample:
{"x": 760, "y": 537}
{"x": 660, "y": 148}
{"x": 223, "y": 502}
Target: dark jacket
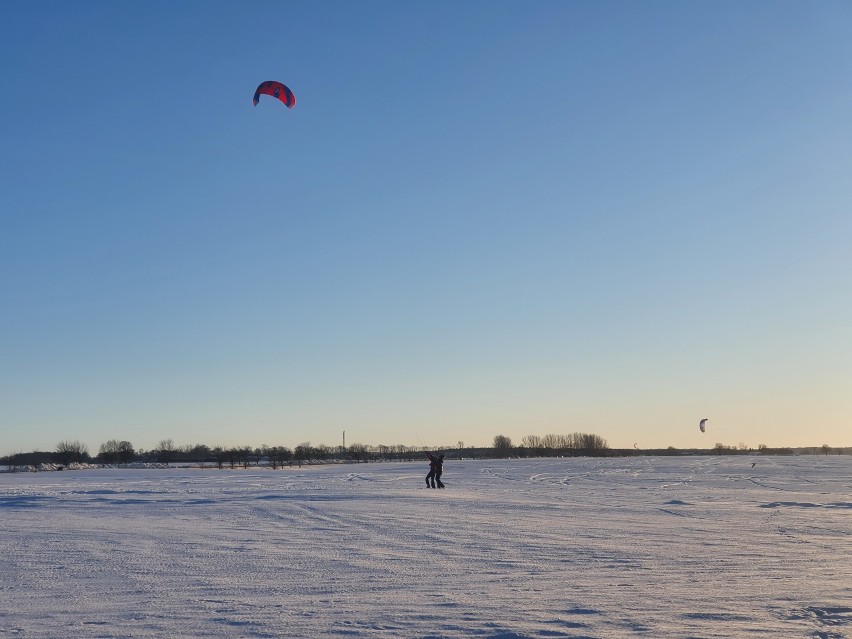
{"x": 434, "y": 464}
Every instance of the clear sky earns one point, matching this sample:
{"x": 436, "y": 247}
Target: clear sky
{"x": 481, "y": 218}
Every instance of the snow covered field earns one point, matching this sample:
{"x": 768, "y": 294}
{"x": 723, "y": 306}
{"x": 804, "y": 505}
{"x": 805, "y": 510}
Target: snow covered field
{"x": 691, "y": 547}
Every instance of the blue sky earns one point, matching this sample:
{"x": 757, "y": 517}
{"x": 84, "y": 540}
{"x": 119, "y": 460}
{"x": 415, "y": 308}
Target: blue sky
{"x": 480, "y": 218}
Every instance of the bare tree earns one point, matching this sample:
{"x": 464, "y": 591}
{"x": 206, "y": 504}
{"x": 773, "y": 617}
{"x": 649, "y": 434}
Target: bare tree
{"x": 282, "y": 454}
{"x": 114, "y": 452}
{"x": 358, "y": 452}
{"x": 233, "y": 455}
{"x": 531, "y": 442}
{"x": 72, "y": 451}
{"x": 219, "y": 454}
{"x": 108, "y": 452}
{"x": 126, "y": 454}
{"x": 502, "y": 445}
{"x": 591, "y": 442}
{"x": 554, "y": 442}
{"x": 197, "y": 452}
{"x": 302, "y": 452}
{"x": 166, "y": 450}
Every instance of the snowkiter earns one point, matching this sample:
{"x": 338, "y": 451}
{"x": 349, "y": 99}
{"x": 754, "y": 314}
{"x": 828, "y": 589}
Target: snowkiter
{"x": 433, "y": 465}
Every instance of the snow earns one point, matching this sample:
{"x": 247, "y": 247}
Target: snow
{"x": 682, "y": 547}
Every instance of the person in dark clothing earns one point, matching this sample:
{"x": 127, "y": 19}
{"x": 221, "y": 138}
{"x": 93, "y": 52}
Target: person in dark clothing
{"x": 430, "y": 478}
{"x": 436, "y": 467}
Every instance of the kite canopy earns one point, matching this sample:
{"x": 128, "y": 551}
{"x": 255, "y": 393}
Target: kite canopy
{"x": 701, "y": 424}
{"x": 276, "y": 90}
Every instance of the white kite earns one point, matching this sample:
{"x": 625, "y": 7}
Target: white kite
{"x": 701, "y": 424}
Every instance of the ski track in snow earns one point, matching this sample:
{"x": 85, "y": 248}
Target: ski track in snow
{"x": 686, "y": 547}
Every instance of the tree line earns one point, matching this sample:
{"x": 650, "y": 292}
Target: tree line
{"x": 166, "y": 451}
{"x": 122, "y": 452}
{"x": 586, "y": 444}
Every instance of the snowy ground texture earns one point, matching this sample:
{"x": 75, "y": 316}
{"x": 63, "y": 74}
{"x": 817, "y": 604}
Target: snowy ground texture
{"x": 691, "y": 547}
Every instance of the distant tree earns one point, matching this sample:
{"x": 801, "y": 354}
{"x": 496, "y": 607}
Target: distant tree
{"x": 358, "y": 452}
{"x": 552, "y": 441}
{"x": 532, "y": 442}
{"x": 502, "y": 445}
{"x": 126, "y": 454}
{"x": 403, "y": 452}
{"x": 198, "y": 452}
{"x": 590, "y": 442}
{"x": 115, "y": 452}
{"x": 232, "y": 456}
{"x": 220, "y": 455}
{"x": 72, "y": 451}
{"x": 282, "y": 454}
{"x": 166, "y": 450}
{"x": 108, "y": 452}
{"x": 302, "y": 452}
